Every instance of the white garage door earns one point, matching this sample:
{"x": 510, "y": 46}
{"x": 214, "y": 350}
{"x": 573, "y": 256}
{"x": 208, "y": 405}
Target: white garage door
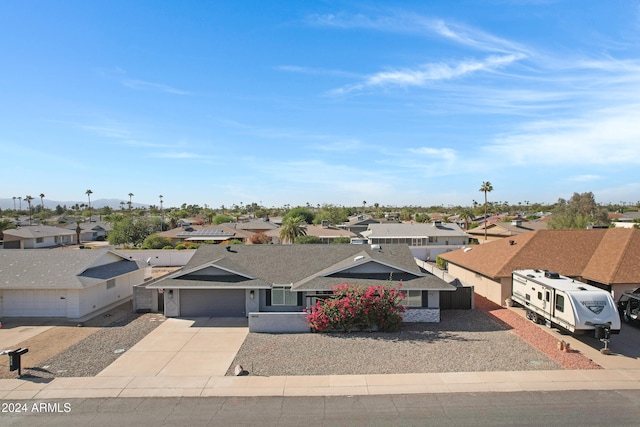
{"x": 212, "y": 302}
{"x": 34, "y": 303}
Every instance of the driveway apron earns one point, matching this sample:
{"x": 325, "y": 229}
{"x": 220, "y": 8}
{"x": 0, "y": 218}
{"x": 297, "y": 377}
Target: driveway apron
{"x": 183, "y": 347}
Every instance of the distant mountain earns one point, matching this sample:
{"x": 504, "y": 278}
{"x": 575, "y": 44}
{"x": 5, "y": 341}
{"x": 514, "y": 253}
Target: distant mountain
{"x": 51, "y": 204}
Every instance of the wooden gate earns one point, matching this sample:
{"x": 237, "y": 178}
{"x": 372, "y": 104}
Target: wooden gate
{"x": 460, "y": 299}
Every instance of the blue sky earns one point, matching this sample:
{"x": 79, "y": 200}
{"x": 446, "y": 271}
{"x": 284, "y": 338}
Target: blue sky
{"x": 273, "y": 102}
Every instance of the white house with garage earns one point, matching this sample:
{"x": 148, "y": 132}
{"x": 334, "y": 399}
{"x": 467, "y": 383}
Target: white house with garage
{"x": 73, "y": 284}
{"x": 239, "y": 280}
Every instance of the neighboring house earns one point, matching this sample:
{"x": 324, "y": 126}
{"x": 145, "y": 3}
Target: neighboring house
{"x": 359, "y": 223}
{"x": 427, "y": 240}
{"x": 38, "y": 236}
{"x": 606, "y": 258}
{"x": 65, "y": 283}
{"x": 237, "y": 280}
{"x": 326, "y": 233}
{"x": 91, "y": 231}
{"x": 258, "y": 225}
{"x": 205, "y": 233}
{"x": 501, "y": 230}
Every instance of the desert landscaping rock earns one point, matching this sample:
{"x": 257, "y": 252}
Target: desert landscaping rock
{"x": 464, "y": 341}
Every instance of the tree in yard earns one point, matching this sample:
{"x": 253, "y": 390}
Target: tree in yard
{"x": 578, "y": 212}
{"x": 307, "y": 240}
{"x": 466, "y": 215}
{"x": 29, "y": 199}
{"x": 486, "y": 187}
{"x": 130, "y": 202}
{"x": 5, "y": 224}
{"x": 291, "y": 228}
{"x": 155, "y": 241}
{"x": 42, "y": 201}
{"x": 89, "y": 193}
{"x": 259, "y": 239}
{"x": 130, "y": 230}
{"x": 305, "y": 214}
{"x": 221, "y": 219}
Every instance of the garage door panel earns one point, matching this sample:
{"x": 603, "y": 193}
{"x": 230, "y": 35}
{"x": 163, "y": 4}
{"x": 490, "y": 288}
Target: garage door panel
{"x": 210, "y": 302}
{"x": 34, "y": 303}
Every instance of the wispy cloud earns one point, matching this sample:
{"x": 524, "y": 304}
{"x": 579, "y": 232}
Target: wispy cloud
{"x": 150, "y": 86}
{"x": 601, "y": 138}
{"x": 428, "y": 73}
{"x": 585, "y": 178}
{"x": 436, "y": 153}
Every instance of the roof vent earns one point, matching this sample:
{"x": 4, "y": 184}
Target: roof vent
{"x": 582, "y": 288}
{"x": 437, "y": 223}
{"x": 325, "y": 223}
{"x": 376, "y": 248}
{"x": 551, "y": 275}
{"x": 228, "y": 248}
{"x": 512, "y": 242}
{"x": 466, "y": 249}
{"x": 358, "y": 258}
{"x": 516, "y": 222}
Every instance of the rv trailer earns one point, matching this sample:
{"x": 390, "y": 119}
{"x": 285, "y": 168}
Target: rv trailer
{"x": 552, "y": 299}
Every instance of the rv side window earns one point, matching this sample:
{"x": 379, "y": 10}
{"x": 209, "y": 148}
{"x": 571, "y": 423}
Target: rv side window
{"x": 540, "y": 296}
{"x": 527, "y": 297}
{"x": 560, "y": 303}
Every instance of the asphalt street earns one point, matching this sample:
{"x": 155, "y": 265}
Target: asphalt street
{"x": 561, "y": 408}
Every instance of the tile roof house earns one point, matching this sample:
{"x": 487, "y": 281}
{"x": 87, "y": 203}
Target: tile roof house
{"x": 65, "y": 283}
{"x": 242, "y": 279}
{"x": 607, "y": 258}
{"x": 38, "y": 236}
{"x": 501, "y": 230}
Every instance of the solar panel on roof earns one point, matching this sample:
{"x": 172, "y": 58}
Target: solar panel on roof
{"x": 206, "y": 232}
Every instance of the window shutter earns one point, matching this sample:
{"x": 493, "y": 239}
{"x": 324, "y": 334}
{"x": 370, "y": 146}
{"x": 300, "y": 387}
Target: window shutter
{"x": 268, "y": 298}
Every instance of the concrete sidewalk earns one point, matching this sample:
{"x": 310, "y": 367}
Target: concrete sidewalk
{"x": 331, "y": 385}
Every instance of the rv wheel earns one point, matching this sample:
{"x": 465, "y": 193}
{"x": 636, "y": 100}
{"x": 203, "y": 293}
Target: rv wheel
{"x": 534, "y": 317}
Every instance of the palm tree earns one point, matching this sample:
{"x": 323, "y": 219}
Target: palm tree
{"x": 486, "y": 187}
{"x": 89, "y": 193}
{"x": 122, "y": 206}
{"x": 42, "y": 201}
{"x": 5, "y": 224}
{"x": 29, "y": 199}
{"x": 130, "y": 196}
{"x": 20, "y": 202}
{"x": 291, "y": 228}
{"x": 14, "y": 202}
{"x": 467, "y": 216}
{"x": 364, "y": 206}
{"x": 161, "y": 214}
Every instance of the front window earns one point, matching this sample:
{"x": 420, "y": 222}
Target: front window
{"x": 412, "y": 299}
{"x": 39, "y": 240}
{"x": 283, "y": 296}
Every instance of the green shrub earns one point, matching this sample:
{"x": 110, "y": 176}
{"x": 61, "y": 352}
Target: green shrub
{"x": 441, "y": 263}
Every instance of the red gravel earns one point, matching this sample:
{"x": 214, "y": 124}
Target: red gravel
{"x": 535, "y": 336}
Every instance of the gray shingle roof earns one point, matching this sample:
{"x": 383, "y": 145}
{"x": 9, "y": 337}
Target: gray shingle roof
{"x": 409, "y": 230}
{"x": 60, "y": 269}
{"x": 35, "y": 231}
{"x": 306, "y": 267}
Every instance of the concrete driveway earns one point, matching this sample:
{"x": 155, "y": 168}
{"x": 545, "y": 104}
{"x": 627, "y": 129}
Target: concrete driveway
{"x": 183, "y": 347}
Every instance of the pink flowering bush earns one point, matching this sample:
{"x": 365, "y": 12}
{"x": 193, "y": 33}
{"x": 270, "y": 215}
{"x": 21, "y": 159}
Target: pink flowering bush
{"x": 352, "y": 307}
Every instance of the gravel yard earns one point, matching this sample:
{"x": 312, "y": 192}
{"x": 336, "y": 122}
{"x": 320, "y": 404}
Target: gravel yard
{"x": 70, "y": 351}
{"x": 464, "y": 341}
